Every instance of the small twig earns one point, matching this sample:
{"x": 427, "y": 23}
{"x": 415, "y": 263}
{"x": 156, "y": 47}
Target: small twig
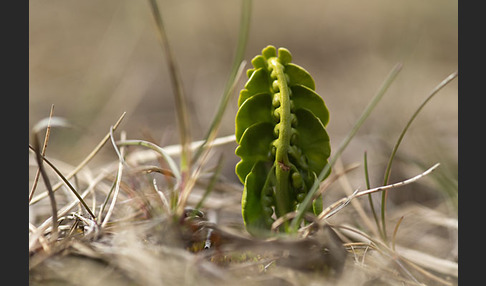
{"x": 330, "y": 210}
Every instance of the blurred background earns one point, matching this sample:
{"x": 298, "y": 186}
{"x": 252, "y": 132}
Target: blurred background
{"x": 95, "y": 60}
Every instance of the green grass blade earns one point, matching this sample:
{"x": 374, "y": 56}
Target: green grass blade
{"x": 236, "y": 70}
{"x": 310, "y": 196}
{"x": 176, "y": 82}
{"x": 370, "y": 198}
{"x": 397, "y": 144}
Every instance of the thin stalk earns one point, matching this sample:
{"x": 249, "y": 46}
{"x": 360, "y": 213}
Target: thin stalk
{"x": 338, "y": 205}
{"x": 66, "y": 182}
{"x": 47, "y": 182}
{"x": 370, "y": 198}
{"x": 179, "y": 95}
{"x": 236, "y": 70}
{"x": 117, "y": 184}
{"x": 108, "y": 196}
{"x": 82, "y": 164}
{"x": 396, "y": 231}
{"x": 397, "y": 144}
{"x": 326, "y": 170}
{"x": 43, "y": 152}
{"x": 158, "y": 149}
{"x": 282, "y": 163}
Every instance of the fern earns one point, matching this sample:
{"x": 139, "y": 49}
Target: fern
{"x": 283, "y": 142}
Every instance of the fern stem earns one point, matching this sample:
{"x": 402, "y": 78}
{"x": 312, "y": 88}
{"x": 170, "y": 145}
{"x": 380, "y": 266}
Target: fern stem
{"x": 282, "y": 144}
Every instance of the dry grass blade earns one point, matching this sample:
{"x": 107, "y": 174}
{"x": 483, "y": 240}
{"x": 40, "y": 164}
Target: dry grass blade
{"x": 51, "y": 121}
{"x": 333, "y": 208}
{"x": 45, "y": 246}
{"x": 161, "y": 151}
{"x": 395, "y": 231}
{"x": 139, "y": 157}
{"x": 121, "y": 153}
{"x": 80, "y": 165}
{"x": 47, "y": 182}
{"x": 66, "y": 182}
{"x": 43, "y": 152}
{"x": 37, "y": 234}
{"x": 415, "y": 258}
{"x": 403, "y": 257}
{"x": 356, "y": 204}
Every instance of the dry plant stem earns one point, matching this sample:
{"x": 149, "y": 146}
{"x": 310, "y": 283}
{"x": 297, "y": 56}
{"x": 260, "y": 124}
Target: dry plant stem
{"x": 47, "y": 182}
{"x": 176, "y": 82}
{"x": 107, "y": 199}
{"x": 143, "y": 156}
{"x": 163, "y": 198}
{"x": 37, "y": 234}
{"x": 348, "y": 190}
{"x": 161, "y": 151}
{"x": 393, "y": 255}
{"x": 42, "y": 241}
{"x": 66, "y": 182}
{"x": 397, "y": 144}
{"x": 334, "y": 177}
{"x": 331, "y": 210}
{"x": 118, "y": 181}
{"x": 82, "y": 164}
{"x": 395, "y": 232}
{"x": 43, "y": 152}
{"x": 440, "y": 265}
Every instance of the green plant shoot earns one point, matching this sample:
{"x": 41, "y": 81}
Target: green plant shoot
{"x": 283, "y": 142}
